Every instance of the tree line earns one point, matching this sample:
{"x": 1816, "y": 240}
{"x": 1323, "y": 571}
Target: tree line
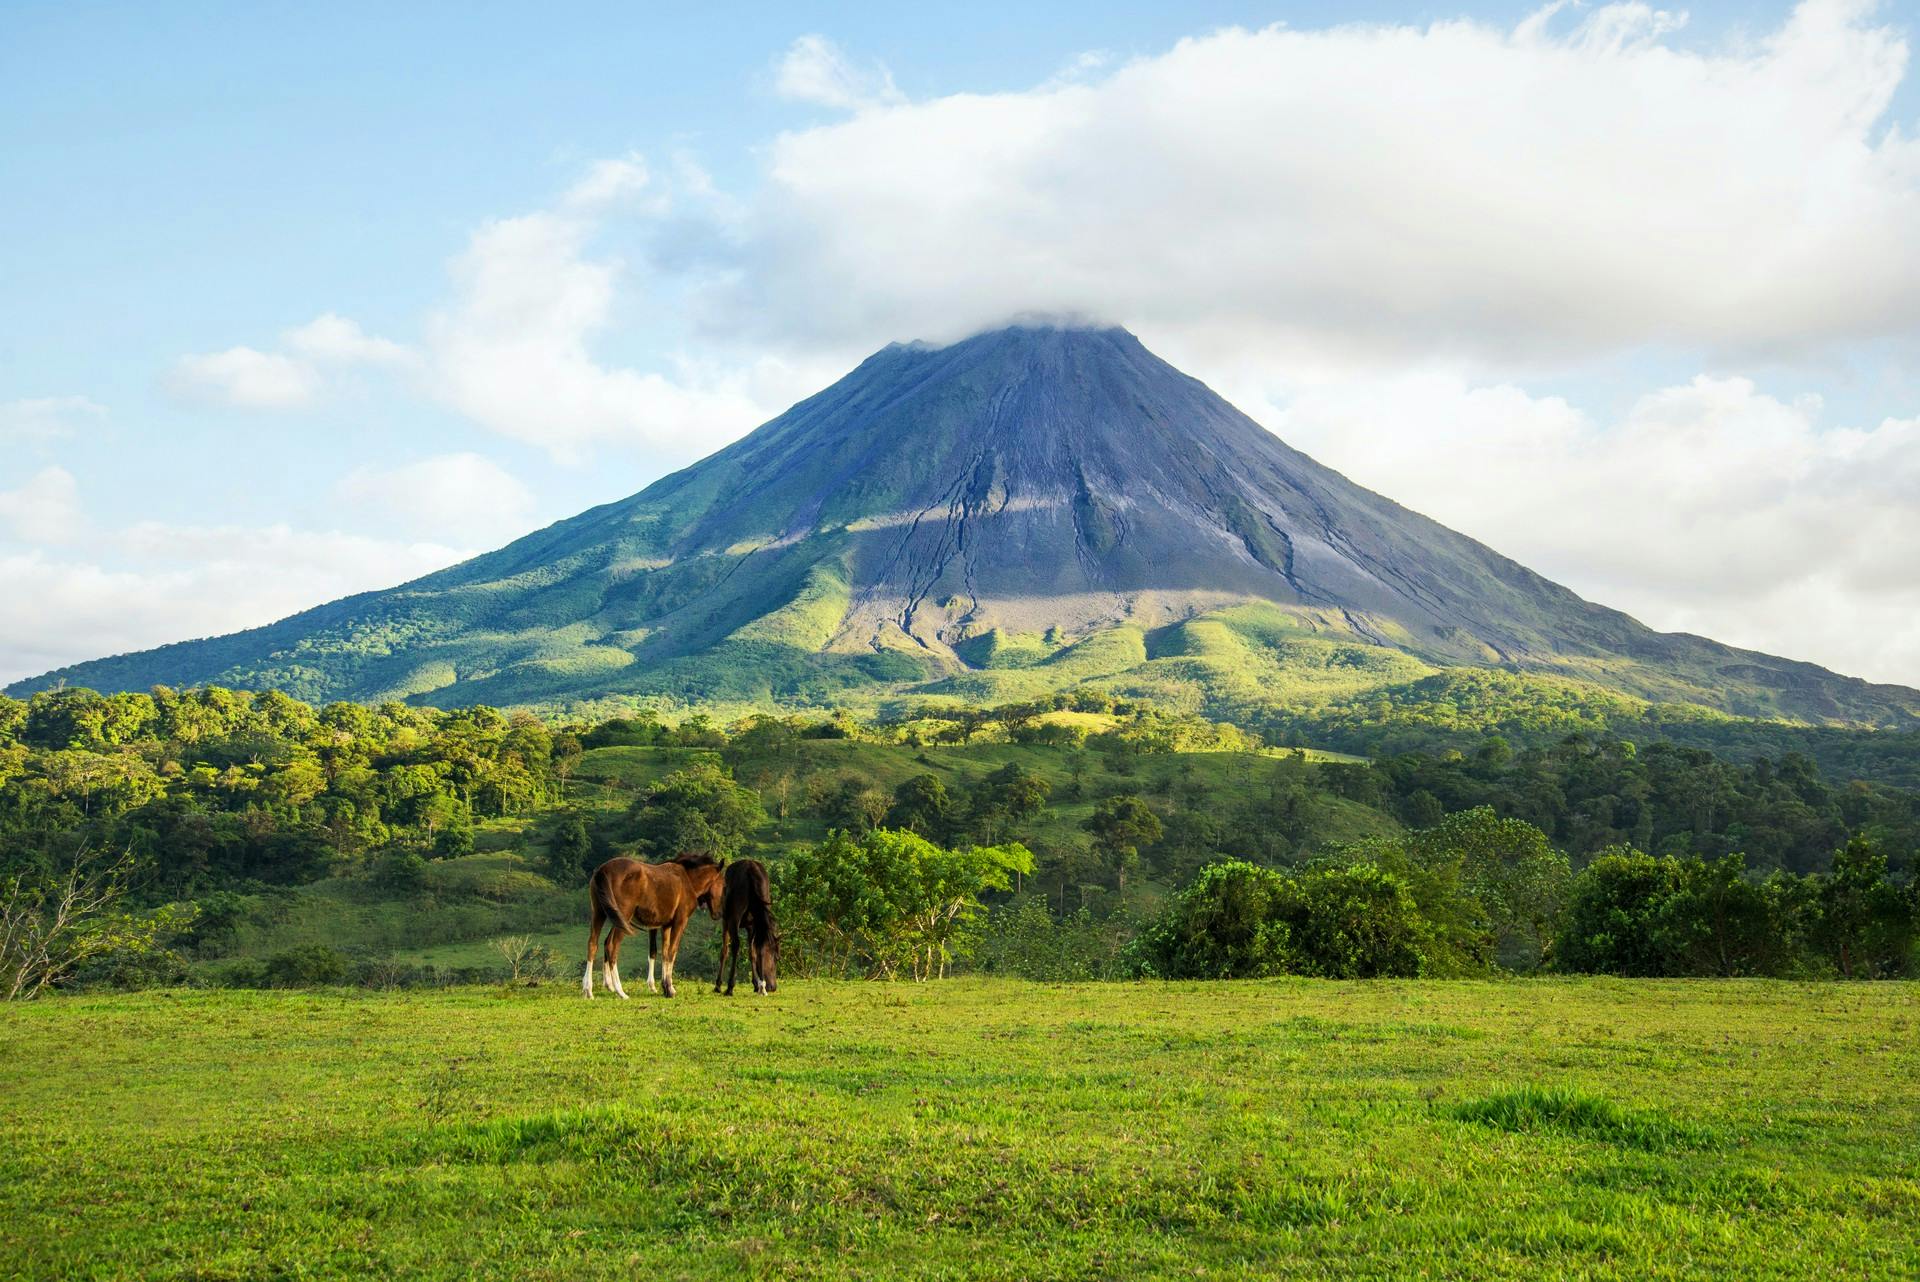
{"x": 1102, "y": 837}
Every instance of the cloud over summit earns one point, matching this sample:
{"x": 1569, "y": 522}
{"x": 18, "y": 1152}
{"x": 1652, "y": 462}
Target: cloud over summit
{"x": 1582, "y": 183}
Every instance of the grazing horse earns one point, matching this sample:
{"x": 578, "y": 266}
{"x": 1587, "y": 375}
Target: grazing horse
{"x": 631, "y": 896}
{"x": 746, "y": 900}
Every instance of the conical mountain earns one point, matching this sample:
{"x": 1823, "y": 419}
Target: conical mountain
{"x": 1027, "y": 509}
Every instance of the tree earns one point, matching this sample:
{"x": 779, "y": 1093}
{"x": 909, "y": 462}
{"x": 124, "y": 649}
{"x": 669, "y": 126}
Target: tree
{"x": 453, "y": 841}
{"x": 1120, "y": 826}
{"x": 400, "y": 872}
{"x": 569, "y": 850}
{"x": 1358, "y": 921}
{"x": 1866, "y": 921}
{"x": 1636, "y": 914}
{"x": 1229, "y": 923}
{"x": 1240, "y": 921}
{"x": 891, "y": 902}
{"x": 567, "y": 752}
{"x": 921, "y": 805}
{"x": 1493, "y": 887}
{"x": 850, "y": 802}
{"x": 699, "y": 807}
{"x": 53, "y": 924}
{"x": 1007, "y": 798}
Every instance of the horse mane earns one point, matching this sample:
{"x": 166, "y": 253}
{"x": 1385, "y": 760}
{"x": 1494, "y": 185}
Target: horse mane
{"x": 695, "y": 859}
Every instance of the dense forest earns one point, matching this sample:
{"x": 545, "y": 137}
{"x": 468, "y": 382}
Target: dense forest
{"x": 1077, "y": 834}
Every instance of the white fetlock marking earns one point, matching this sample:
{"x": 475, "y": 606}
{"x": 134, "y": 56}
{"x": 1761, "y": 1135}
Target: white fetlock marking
{"x": 586, "y": 981}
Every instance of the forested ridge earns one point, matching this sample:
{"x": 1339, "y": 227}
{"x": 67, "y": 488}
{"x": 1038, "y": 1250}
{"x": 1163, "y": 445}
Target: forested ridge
{"x": 1068, "y": 835}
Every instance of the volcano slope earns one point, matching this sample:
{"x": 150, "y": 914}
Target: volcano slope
{"x": 1031, "y": 509}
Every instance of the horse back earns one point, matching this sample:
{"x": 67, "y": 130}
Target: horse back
{"x": 638, "y": 894}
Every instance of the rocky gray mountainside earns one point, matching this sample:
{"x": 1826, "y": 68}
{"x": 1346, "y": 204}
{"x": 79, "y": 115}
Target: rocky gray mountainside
{"x": 1000, "y": 504}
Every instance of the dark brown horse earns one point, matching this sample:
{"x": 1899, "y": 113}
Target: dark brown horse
{"x": 630, "y": 896}
{"x": 748, "y": 901}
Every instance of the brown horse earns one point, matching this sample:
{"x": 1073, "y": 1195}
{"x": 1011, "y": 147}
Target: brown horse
{"x": 747, "y": 900}
{"x": 631, "y": 896}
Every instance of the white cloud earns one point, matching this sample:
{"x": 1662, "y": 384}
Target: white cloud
{"x": 513, "y": 349}
{"x": 291, "y": 378}
{"x": 607, "y": 184}
{"x": 44, "y": 510}
{"x": 814, "y": 70}
{"x": 463, "y": 496}
{"x": 246, "y": 378}
{"x": 1577, "y": 185}
{"x": 38, "y": 419}
{"x": 328, "y": 339}
{"x": 152, "y": 583}
{"x": 1710, "y": 507}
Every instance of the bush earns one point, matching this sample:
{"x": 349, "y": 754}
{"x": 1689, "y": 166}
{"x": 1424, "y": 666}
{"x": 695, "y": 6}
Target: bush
{"x": 569, "y": 851}
{"x": 400, "y": 871}
{"x": 308, "y": 966}
{"x": 453, "y": 841}
{"x": 1230, "y": 923}
{"x": 1636, "y": 914}
{"x": 890, "y": 902}
{"x": 1358, "y": 922}
{"x": 1493, "y": 888}
{"x": 1026, "y": 940}
{"x": 1241, "y": 921}
{"x": 1866, "y": 921}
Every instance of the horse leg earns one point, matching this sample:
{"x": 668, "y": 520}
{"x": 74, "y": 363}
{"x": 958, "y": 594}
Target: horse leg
{"x": 593, "y": 938}
{"x": 726, "y": 938}
{"x": 612, "y": 968}
{"x": 669, "y": 947}
{"x": 755, "y": 942}
{"x": 653, "y": 946}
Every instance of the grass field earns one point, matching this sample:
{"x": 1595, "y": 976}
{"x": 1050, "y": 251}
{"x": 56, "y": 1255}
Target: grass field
{"x": 972, "y": 1128}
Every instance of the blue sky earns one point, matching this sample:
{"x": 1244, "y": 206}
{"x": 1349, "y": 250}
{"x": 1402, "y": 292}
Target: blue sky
{"x": 556, "y": 257}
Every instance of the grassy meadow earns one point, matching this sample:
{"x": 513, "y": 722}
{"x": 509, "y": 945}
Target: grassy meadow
{"x": 971, "y": 1128}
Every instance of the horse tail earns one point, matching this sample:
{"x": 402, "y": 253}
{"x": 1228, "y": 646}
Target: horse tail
{"x": 603, "y": 905}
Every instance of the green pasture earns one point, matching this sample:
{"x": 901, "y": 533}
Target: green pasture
{"x": 968, "y": 1129}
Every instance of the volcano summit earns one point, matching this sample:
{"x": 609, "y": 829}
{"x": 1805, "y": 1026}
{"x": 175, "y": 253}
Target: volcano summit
{"x": 1031, "y": 508}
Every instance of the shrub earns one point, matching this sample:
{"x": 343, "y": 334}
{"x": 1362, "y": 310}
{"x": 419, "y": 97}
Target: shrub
{"x": 1636, "y": 914}
{"x": 890, "y": 902}
{"x": 308, "y": 966}
{"x": 1026, "y": 940}
{"x": 569, "y": 851}
{"x": 1866, "y": 921}
{"x": 1357, "y": 922}
{"x": 1241, "y": 921}
{"x": 453, "y": 841}
{"x": 1230, "y": 923}
{"x": 400, "y": 871}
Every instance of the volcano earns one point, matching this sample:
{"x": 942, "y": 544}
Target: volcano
{"x": 1026, "y": 509}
